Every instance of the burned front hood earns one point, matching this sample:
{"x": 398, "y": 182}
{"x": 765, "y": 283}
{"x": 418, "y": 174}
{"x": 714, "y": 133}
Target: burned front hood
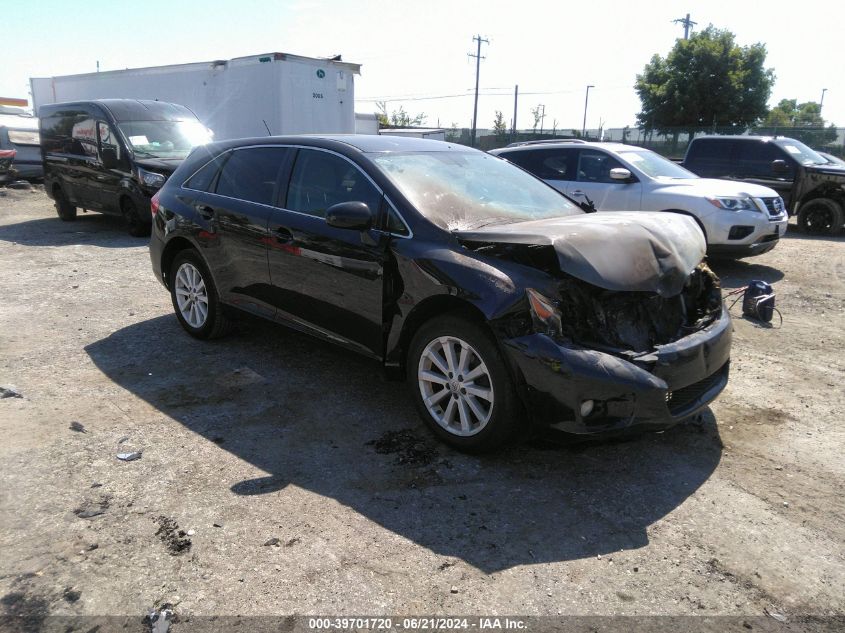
{"x": 616, "y": 250}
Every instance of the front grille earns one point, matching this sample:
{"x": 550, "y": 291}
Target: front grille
{"x": 680, "y": 399}
{"x": 774, "y": 206}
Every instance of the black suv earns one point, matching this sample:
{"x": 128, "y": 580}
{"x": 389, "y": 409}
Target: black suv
{"x": 493, "y": 293}
{"x": 809, "y": 184}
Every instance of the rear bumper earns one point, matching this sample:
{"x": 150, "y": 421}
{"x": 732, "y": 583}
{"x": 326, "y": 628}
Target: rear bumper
{"x": 156, "y": 251}
{"x": 666, "y": 386}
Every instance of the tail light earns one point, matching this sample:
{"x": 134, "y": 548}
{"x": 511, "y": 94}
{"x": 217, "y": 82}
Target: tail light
{"x": 154, "y": 204}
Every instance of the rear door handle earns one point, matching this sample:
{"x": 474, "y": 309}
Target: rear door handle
{"x": 283, "y": 235}
{"x": 205, "y": 211}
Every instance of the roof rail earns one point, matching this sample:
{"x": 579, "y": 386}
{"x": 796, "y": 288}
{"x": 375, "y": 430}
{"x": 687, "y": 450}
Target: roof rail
{"x": 548, "y": 140}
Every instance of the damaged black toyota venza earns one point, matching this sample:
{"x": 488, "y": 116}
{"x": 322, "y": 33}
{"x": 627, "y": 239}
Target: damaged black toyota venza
{"x": 501, "y": 301}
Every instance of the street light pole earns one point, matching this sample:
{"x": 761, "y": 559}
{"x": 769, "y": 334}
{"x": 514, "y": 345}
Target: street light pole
{"x": 821, "y": 103}
{"x": 586, "y": 101}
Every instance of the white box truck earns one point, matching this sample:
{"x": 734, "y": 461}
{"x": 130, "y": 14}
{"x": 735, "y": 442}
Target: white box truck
{"x": 276, "y": 93}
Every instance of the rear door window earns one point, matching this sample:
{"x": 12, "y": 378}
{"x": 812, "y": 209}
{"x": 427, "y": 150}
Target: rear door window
{"x": 252, "y": 174}
{"x": 548, "y": 164}
{"x": 595, "y": 166}
{"x": 203, "y": 180}
{"x": 321, "y": 180}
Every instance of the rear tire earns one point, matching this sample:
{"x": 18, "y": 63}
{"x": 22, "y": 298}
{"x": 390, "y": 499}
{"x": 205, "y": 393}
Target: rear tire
{"x": 821, "y": 216}
{"x": 134, "y": 223}
{"x": 65, "y": 210}
{"x": 461, "y": 385}
{"x": 194, "y": 296}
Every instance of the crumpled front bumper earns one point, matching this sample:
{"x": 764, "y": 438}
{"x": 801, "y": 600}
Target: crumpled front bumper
{"x": 673, "y": 382}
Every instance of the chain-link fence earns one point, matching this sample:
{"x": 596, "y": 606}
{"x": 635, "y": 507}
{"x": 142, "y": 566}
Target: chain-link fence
{"x": 672, "y": 143}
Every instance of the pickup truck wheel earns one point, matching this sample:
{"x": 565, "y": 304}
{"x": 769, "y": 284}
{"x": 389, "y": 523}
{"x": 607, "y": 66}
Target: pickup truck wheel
{"x": 821, "y": 216}
{"x": 461, "y": 385}
{"x": 134, "y": 224}
{"x": 65, "y": 210}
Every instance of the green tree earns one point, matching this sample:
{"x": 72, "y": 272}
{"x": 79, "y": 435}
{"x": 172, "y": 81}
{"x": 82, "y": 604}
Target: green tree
{"x": 705, "y": 81}
{"x": 802, "y": 121}
{"x": 398, "y": 118}
{"x": 500, "y": 128}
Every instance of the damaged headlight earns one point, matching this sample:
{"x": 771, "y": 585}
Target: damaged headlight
{"x": 734, "y": 204}
{"x": 544, "y": 313}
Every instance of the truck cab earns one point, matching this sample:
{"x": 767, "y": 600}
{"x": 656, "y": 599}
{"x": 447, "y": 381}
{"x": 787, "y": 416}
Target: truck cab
{"x": 810, "y": 185}
{"x": 112, "y": 155}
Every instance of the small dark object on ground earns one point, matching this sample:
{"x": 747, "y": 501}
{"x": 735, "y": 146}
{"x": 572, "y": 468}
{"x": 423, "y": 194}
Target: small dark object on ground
{"x": 19, "y": 184}
{"x": 271, "y": 541}
{"x": 8, "y": 392}
{"x": 758, "y": 301}
{"x": 409, "y": 448}
{"x": 129, "y": 457}
{"x": 71, "y": 595}
{"x": 292, "y": 542}
{"x": 76, "y": 426}
{"x": 175, "y": 539}
{"x": 91, "y": 510}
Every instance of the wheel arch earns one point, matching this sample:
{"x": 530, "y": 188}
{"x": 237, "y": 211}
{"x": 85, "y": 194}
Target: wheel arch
{"x": 171, "y": 250}
{"x": 691, "y": 215}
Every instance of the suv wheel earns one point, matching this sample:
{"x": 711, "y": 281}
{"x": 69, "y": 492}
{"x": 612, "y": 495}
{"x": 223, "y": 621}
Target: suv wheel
{"x": 461, "y": 386}
{"x": 821, "y": 216}
{"x": 134, "y": 223}
{"x": 66, "y": 211}
{"x": 194, "y": 297}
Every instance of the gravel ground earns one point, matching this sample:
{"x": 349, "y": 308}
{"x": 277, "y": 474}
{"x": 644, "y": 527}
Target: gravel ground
{"x": 280, "y": 475}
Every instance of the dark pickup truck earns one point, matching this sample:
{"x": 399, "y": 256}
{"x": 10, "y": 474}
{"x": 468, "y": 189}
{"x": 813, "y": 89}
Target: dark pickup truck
{"x": 809, "y": 184}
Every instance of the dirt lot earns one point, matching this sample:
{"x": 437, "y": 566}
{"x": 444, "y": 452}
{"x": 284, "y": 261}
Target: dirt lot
{"x": 268, "y": 435}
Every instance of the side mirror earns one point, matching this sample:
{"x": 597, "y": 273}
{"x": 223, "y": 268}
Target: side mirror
{"x": 780, "y": 167}
{"x": 350, "y": 215}
{"x": 620, "y": 173}
{"x": 109, "y": 157}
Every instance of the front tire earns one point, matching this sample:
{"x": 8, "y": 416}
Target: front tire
{"x": 195, "y": 298}
{"x": 134, "y": 222}
{"x": 65, "y": 210}
{"x": 821, "y": 216}
{"x": 461, "y": 385}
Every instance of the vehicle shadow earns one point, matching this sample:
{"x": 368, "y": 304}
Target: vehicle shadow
{"x": 736, "y": 273}
{"x": 323, "y": 419}
{"x": 795, "y": 233}
{"x": 93, "y": 229}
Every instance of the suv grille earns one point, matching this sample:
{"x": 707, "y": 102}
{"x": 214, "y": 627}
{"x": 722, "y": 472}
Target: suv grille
{"x": 774, "y": 206}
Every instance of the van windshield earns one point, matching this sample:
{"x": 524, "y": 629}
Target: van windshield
{"x": 164, "y": 139}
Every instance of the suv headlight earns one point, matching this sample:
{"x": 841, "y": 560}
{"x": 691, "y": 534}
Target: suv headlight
{"x": 544, "y": 313}
{"x": 151, "y": 178}
{"x": 734, "y": 204}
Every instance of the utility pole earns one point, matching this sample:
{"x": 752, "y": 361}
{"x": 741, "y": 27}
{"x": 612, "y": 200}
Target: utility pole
{"x": 542, "y": 116}
{"x": 586, "y": 101}
{"x": 821, "y": 103}
{"x": 688, "y": 24}
{"x": 478, "y": 59}
{"x": 515, "y": 98}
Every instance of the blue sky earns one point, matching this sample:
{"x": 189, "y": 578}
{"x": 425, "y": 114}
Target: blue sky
{"x": 414, "y": 53}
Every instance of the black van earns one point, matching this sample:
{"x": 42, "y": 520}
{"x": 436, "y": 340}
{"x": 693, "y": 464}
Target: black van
{"x": 112, "y": 155}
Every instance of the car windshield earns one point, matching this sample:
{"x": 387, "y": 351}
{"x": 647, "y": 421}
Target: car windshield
{"x": 656, "y": 166}
{"x": 467, "y": 190}
{"x": 802, "y": 153}
{"x": 164, "y": 139}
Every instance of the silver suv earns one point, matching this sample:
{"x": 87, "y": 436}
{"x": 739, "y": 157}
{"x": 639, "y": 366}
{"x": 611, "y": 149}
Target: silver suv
{"x": 738, "y": 219}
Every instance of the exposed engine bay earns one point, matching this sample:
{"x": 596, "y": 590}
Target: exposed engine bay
{"x": 620, "y": 321}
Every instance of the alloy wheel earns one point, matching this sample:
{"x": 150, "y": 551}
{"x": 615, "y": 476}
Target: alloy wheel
{"x": 456, "y": 386}
{"x": 191, "y": 295}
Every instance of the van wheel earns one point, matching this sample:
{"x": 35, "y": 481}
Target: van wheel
{"x": 134, "y": 223}
{"x": 195, "y": 298}
{"x": 461, "y": 385}
{"x": 66, "y": 211}
{"x": 821, "y": 216}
